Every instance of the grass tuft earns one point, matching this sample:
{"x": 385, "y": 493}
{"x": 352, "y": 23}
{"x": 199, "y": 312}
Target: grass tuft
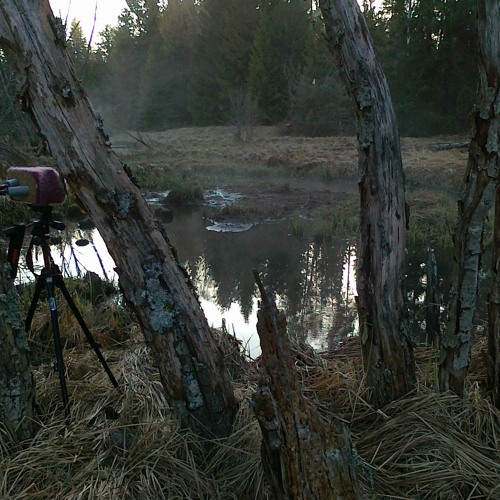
{"x": 127, "y": 444}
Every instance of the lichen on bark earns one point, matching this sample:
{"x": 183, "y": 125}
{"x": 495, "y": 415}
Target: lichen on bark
{"x": 16, "y": 382}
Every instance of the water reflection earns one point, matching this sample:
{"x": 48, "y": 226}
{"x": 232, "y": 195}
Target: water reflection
{"x": 77, "y": 253}
{"x": 314, "y": 283}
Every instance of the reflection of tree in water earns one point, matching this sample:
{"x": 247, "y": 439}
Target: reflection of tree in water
{"x": 314, "y": 283}
{"x": 306, "y": 277}
{"x": 325, "y": 296}
{"x": 206, "y": 286}
{"x": 232, "y": 257}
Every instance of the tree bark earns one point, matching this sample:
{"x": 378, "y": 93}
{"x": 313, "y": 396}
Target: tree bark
{"x": 480, "y": 184}
{"x": 493, "y": 370}
{"x": 387, "y": 351}
{"x": 190, "y": 363}
{"x": 304, "y": 456}
{"x": 489, "y": 39}
{"x": 17, "y": 387}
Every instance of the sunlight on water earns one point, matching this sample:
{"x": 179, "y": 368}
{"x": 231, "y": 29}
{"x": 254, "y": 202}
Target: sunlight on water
{"x": 92, "y": 257}
{"x": 73, "y": 259}
{"x": 233, "y": 318}
{"x": 236, "y": 324}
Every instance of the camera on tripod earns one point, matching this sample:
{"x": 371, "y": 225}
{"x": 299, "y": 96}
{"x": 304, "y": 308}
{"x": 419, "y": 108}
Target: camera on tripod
{"x": 42, "y": 187}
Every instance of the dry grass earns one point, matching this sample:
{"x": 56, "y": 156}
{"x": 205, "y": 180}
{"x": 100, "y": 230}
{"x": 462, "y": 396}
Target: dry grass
{"x": 127, "y": 444}
{"x": 216, "y": 149}
{"x": 427, "y": 445}
{"x": 121, "y": 444}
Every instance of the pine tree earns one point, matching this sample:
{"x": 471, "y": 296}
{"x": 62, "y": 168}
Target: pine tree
{"x": 279, "y": 56}
{"x": 426, "y": 51}
{"x": 222, "y": 56}
{"x": 164, "y": 92}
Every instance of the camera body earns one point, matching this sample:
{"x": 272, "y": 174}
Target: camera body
{"x": 39, "y": 186}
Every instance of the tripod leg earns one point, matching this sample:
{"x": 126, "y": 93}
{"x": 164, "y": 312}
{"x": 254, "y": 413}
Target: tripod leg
{"x": 59, "y": 364}
{"x": 60, "y": 283}
{"x": 39, "y": 284}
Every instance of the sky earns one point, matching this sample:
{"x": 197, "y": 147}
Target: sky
{"x": 84, "y": 10}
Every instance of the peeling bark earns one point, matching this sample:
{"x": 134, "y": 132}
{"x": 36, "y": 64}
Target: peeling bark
{"x": 17, "y": 387}
{"x": 493, "y": 370}
{"x": 480, "y": 184}
{"x": 191, "y": 365}
{"x": 387, "y": 351}
{"x": 303, "y": 456}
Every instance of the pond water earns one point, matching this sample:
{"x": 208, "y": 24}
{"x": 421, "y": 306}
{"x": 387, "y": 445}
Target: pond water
{"x": 314, "y": 282}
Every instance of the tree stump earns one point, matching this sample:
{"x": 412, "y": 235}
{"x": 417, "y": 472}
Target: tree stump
{"x": 303, "y": 456}
{"x": 481, "y": 183}
{"x": 386, "y": 345}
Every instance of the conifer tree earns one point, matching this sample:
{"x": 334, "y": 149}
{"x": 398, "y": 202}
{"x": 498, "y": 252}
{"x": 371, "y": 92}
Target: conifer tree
{"x": 222, "y": 56}
{"x": 165, "y": 83}
{"x": 279, "y": 56}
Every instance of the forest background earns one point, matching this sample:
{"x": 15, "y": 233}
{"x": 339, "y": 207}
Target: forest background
{"x": 219, "y": 62}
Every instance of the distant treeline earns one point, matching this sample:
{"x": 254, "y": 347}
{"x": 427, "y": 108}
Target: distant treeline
{"x": 214, "y": 62}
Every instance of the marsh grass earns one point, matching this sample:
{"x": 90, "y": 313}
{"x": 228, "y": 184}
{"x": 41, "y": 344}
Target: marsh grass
{"x": 341, "y": 221}
{"x": 213, "y": 151}
{"x": 127, "y": 443}
{"x": 299, "y": 226}
{"x": 193, "y": 159}
{"x": 432, "y": 218}
{"x": 336, "y": 221}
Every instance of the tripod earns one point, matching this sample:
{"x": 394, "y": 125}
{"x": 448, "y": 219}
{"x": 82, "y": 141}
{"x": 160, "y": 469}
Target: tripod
{"x": 49, "y": 278}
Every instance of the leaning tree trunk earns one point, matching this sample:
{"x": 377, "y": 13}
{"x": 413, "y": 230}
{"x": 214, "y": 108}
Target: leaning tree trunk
{"x": 494, "y": 312}
{"x": 387, "y": 352}
{"x": 481, "y": 182}
{"x": 190, "y": 363}
{"x": 489, "y": 39}
{"x": 17, "y": 388}
{"x": 303, "y": 456}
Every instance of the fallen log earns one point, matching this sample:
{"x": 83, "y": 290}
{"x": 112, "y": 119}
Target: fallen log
{"x": 449, "y": 145}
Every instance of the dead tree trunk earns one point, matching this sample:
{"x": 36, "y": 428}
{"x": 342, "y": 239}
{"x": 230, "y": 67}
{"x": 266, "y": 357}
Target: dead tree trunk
{"x": 494, "y": 312}
{"x": 387, "y": 352}
{"x": 17, "y": 388}
{"x": 304, "y": 457}
{"x": 489, "y": 39}
{"x": 190, "y": 363}
{"x": 480, "y": 184}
